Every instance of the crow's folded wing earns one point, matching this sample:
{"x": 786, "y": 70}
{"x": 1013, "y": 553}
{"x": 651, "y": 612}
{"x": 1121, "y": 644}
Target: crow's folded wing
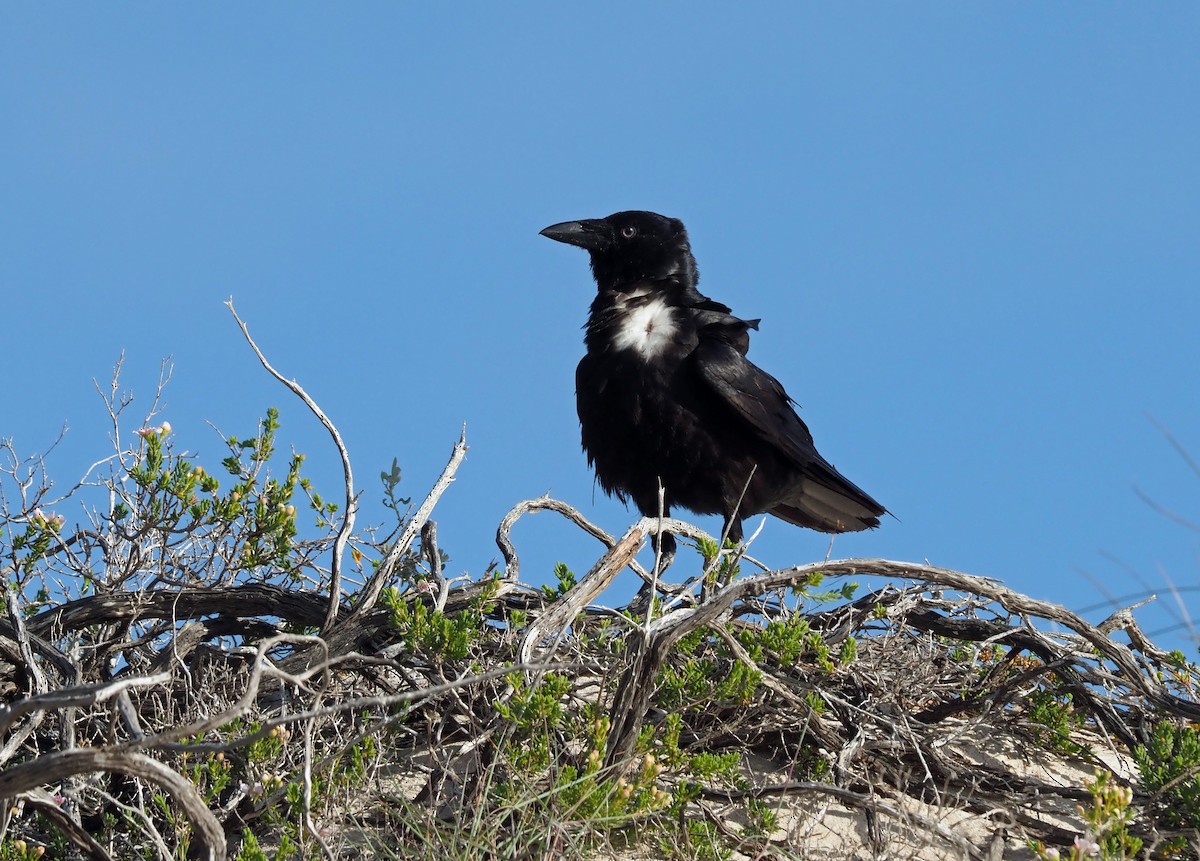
{"x": 756, "y": 398}
{"x": 751, "y": 393}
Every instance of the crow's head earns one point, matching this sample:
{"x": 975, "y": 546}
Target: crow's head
{"x": 630, "y": 246}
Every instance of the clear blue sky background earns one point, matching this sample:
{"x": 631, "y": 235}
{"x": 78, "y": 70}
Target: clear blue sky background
{"x": 971, "y": 231}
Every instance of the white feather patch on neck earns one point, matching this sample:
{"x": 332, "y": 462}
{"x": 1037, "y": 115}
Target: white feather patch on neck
{"x": 647, "y": 329}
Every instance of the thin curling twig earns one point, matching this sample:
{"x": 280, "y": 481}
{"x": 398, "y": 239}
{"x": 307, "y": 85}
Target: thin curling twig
{"x": 347, "y": 527}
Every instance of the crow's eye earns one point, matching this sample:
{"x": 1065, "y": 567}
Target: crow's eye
{"x": 629, "y": 231}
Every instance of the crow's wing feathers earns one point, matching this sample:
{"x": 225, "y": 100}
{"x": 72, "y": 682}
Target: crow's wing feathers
{"x": 759, "y": 400}
{"x": 754, "y": 395}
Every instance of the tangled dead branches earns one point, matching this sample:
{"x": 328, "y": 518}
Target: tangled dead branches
{"x": 931, "y": 709}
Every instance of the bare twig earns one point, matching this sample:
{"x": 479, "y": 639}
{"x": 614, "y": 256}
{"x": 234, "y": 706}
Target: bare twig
{"x": 370, "y": 592}
{"x": 351, "y": 509}
{"x": 53, "y": 767}
{"x": 80, "y": 695}
{"x": 47, "y": 806}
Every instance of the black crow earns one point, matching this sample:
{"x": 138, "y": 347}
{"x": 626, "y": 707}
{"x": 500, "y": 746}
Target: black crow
{"x": 666, "y": 393}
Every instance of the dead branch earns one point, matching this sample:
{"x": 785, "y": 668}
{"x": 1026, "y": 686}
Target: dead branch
{"x": 370, "y": 592}
{"x": 54, "y": 767}
{"x": 44, "y": 803}
{"x": 552, "y": 623}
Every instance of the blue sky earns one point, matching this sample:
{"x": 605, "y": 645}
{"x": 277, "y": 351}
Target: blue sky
{"x": 971, "y": 231}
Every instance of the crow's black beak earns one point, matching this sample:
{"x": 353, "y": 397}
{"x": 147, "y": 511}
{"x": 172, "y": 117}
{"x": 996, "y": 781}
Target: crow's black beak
{"x": 590, "y": 234}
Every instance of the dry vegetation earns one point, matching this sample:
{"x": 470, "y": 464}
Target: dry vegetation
{"x": 185, "y": 674}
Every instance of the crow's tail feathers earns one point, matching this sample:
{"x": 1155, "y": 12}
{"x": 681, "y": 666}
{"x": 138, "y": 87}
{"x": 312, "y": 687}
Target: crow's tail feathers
{"x": 827, "y": 502}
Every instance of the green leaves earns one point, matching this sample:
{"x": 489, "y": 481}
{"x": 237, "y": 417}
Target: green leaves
{"x": 565, "y": 578}
{"x": 391, "y": 480}
{"x": 790, "y": 641}
{"x": 1054, "y": 719}
{"x": 1169, "y": 765}
{"x": 440, "y": 636}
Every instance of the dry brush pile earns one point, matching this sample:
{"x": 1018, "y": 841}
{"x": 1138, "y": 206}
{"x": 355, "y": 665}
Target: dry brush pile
{"x": 185, "y": 674}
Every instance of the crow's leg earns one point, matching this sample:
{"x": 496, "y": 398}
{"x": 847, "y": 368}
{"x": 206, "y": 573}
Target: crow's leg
{"x": 664, "y": 553}
{"x": 733, "y": 529}
{"x": 665, "y": 550}
{"x": 656, "y": 506}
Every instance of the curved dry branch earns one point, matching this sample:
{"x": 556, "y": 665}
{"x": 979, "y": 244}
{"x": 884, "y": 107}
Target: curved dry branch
{"x": 81, "y": 695}
{"x": 52, "y": 768}
{"x": 246, "y": 601}
{"x": 347, "y": 527}
{"x": 553, "y": 622}
{"x": 512, "y": 563}
{"x": 45, "y": 804}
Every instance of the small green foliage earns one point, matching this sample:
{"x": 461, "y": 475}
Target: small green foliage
{"x": 848, "y": 652}
{"x": 703, "y": 841}
{"x": 695, "y": 771}
{"x": 578, "y": 788}
{"x": 353, "y": 768}
{"x": 391, "y": 480}
{"x": 963, "y": 653}
{"x": 211, "y": 777}
{"x": 285, "y": 850}
{"x": 815, "y": 702}
{"x": 789, "y": 641}
{"x": 845, "y": 592}
{"x": 1110, "y": 817}
{"x": 250, "y": 850}
{"x": 441, "y": 636}
{"x": 724, "y": 571}
{"x": 21, "y": 850}
{"x": 171, "y": 487}
{"x": 269, "y": 748}
{"x": 1169, "y": 765}
{"x": 287, "y": 847}
{"x": 533, "y": 712}
{"x": 708, "y": 674}
{"x": 1054, "y": 720}
{"x": 739, "y": 685}
{"x": 565, "y": 580}
{"x": 174, "y": 496}
{"x": 258, "y": 448}
{"x": 41, "y": 533}
{"x": 668, "y": 734}
{"x": 538, "y": 707}
{"x": 591, "y": 795}
{"x": 294, "y": 793}
{"x": 708, "y": 550}
{"x": 764, "y": 817}
{"x": 814, "y": 579}
{"x": 715, "y": 767}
